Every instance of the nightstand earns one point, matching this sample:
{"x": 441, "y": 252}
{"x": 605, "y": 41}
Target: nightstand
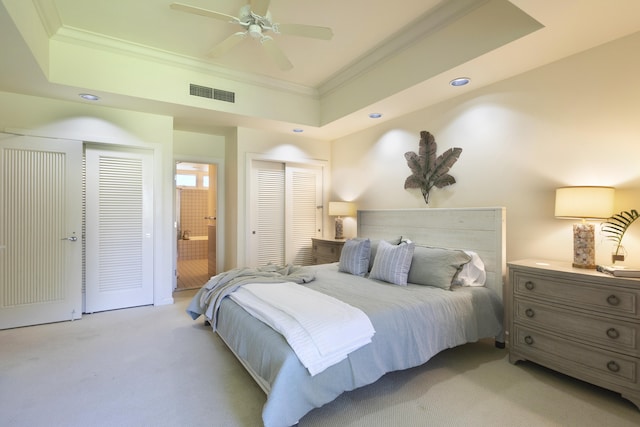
{"x": 579, "y": 322}
{"x": 325, "y": 251}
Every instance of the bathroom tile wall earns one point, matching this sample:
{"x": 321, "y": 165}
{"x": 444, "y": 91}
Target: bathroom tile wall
{"x": 193, "y": 209}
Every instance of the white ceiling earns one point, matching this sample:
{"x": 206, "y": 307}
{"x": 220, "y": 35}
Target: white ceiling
{"x": 370, "y": 37}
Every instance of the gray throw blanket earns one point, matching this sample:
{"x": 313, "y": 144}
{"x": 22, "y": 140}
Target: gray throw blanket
{"x": 208, "y": 299}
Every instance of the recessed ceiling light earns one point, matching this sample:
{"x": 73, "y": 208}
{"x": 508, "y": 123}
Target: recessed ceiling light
{"x": 375, "y": 115}
{"x": 89, "y": 97}
{"x": 298, "y": 130}
{"x": 460, "y": 81}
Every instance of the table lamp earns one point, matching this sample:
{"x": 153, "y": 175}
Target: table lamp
{"x": 585, "y": 203}
{"x": 340, "y": 209}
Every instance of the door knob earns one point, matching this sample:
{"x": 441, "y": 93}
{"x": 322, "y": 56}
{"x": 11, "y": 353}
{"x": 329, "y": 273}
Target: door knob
{"x": 72, "y": 238}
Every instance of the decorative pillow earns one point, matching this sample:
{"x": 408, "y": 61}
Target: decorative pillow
{"x": 472, "y": 273}
{"x": 392, "y": 262}
{"x": 374, "y": 249}
{"x": 354, "y": 258}
{"x": 436, "y": 266}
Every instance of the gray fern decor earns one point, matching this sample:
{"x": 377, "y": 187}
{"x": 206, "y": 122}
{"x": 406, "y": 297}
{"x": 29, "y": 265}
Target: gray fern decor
{"x": 615, "y": 227}
{"x": 428, "y": 170}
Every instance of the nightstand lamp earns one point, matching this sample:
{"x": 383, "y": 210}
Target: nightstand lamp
{"x": 340, "y": 209}
{"x": 585, "y": 203}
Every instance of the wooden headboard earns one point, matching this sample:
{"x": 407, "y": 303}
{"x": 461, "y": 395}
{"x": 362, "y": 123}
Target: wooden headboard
{"x": 481, "y": 230}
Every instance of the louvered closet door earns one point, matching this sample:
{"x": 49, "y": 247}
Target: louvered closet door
{"x": 40, "y": 229}
{"x": 285, "y": 213}
{"x": 267, "y": 239}
{"x": 304, "y": 212}
{"x": 119, "y": 225}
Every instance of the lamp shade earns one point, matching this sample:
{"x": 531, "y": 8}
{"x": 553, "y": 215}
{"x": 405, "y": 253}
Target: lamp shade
{"x": 342, "y": 209}
{"x": 584, "y": 202}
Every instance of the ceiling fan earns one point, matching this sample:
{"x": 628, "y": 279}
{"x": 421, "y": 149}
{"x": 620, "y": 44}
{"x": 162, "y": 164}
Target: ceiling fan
{"x": 255, "y": 20}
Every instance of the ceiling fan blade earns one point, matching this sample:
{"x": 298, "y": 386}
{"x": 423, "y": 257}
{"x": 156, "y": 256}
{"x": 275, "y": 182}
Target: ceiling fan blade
{"x": 302, "y": 30}
{"x": 203, "y": 12}
{"x": 276, "y": 54}
{"x": 227, "y": 44}
{"x": 260, "y": 7}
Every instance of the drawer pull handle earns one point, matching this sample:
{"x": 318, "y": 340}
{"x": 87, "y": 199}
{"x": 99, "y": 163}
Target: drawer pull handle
{"x": 529, "y": 312}
{"x": 529, "y": 340}
{"x": 613, "y": 300}
{"x": 529, "y": 285}
{"x": 613, "y": 333}
{"x": 613, "y": 366}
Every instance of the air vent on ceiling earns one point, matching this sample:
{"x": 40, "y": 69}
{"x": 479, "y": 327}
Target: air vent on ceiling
{"x": 207, "y": 92}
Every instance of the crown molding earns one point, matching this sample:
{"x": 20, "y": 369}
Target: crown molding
{"x": 419, "y": 29}
{"x": 49, "y": 16}
{"x": 96, "y": 41}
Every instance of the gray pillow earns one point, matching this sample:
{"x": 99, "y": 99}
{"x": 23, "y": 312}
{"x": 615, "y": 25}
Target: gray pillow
{"x": 392, "y": 262}
{"x": 436, "y": 266}
{"x": 374, "y": 248}
{"x": 354, "y": 258}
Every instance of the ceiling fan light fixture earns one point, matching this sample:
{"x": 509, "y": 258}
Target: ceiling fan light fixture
{"x": 255, "y": 31}
{"x": 256, "y": 23}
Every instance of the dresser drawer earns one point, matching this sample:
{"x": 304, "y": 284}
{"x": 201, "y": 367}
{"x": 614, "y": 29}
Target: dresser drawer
{"x": 582, "y": 294}
{"x": 326, "y": 251}
{"x": 576, "y": 359}
{"x": 614, "y": 335}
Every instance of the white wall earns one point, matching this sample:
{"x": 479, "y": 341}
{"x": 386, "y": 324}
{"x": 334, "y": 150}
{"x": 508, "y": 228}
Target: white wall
{"x": 91, "y": 123}
{"x": 574, "y": 122}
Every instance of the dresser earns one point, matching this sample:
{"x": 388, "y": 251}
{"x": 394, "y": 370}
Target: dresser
{"x": 579, "y": 322}
{"x": 325, "y": 251}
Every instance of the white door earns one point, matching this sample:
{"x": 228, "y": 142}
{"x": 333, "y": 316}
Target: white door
{"x": 267, "y": 238}
{"x": 303, "y": 212}
{"x": 285, "y": 212}
{"x": 40, "y": 230}
{"x": 119, "y": 226}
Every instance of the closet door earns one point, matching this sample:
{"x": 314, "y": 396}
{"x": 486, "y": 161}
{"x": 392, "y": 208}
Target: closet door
{"x": 303, "y": 202}
{"x": 119, "y": 226}
{"x": 40, "y": 230}
{"x": 285, "y": 213}
{"x": 267, "y": 238}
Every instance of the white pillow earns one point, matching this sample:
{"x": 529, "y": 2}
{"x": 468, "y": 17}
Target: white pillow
{"x": 472, "y": 273}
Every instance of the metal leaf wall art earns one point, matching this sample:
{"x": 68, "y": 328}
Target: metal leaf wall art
{"x": 429, "y": 171}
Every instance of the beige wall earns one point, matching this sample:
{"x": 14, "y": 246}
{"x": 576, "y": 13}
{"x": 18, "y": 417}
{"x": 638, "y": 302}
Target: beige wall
{"x": 574, "y": 122}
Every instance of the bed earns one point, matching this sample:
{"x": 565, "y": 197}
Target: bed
{"x": 412, "y": 322}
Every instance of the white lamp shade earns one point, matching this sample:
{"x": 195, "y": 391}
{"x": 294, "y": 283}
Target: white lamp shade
{"x": 584, "y": 202}
{"x": 342, "y": 209}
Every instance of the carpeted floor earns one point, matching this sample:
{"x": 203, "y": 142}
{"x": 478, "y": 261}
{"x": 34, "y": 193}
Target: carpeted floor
{"x": 154, "y": 366}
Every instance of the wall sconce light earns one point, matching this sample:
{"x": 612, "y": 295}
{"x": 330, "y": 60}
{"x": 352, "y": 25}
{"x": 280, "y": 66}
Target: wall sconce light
{"x": 340, "y": 209}
{"x": 585, "y": 203}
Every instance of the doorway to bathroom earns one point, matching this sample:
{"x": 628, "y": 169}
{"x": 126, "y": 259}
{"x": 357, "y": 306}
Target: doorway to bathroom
{"x": 196, "y": 221}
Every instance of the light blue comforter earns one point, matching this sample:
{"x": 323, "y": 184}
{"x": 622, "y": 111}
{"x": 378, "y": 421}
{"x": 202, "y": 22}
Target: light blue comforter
{"x": 412, "y": 324}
